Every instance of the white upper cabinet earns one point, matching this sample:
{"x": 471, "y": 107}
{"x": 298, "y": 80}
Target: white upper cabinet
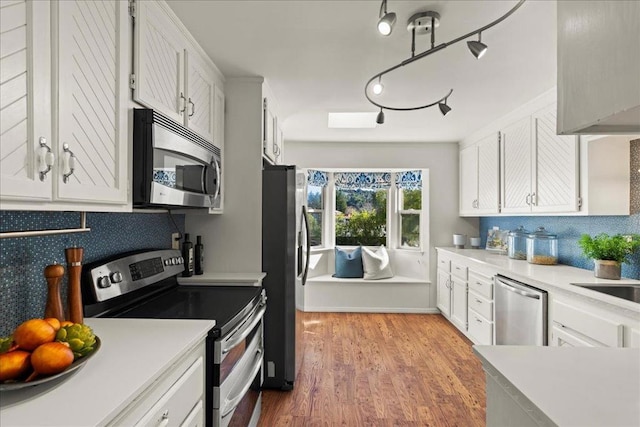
{"x": 27, "y": 161}
{"x": 555, "y": 169}
{"x": 516, "y": 167}
{"x": 64, "y": 96}
{"x": 598, "y": 67}
{"x": 480, "y": 177}
{"x": 90, "y": 104}
{"x": 218, "y": 127}
{"x": 269, "y": 146}
{"x": 170, "y": 74}
{"x": 540, "y": 168}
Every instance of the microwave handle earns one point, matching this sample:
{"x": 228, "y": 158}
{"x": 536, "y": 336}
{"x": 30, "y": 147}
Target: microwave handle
{"x": 217, "y": 165}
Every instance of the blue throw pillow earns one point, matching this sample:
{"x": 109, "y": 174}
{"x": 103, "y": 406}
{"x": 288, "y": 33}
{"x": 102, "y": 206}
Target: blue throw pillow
{"x": 349, "y": 265}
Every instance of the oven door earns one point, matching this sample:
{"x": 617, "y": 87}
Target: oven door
{"x": 238, "y": 377}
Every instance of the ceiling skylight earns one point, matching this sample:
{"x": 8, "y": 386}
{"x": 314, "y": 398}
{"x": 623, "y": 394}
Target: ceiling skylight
{"x": 352, "y": 120}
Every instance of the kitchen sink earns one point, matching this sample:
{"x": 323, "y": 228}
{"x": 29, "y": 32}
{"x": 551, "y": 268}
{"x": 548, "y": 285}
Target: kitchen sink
{"x": 630, "y": 292}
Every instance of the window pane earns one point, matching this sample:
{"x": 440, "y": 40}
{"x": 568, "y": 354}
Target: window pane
{"x": 410, "y": 234}
{"x": 361, "y": 217}
{"x": 314, "y": 197}
{"x": 315, "y": 228}
{"x": 412, "y": 199}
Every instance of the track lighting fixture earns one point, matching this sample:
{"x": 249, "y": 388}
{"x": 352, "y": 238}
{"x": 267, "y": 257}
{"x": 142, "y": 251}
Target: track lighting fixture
{"x": 477, "y": 48}
{"x": 378, "y": 87}
{"x": 387, "y": 20}
{"x": 424, "y": 23}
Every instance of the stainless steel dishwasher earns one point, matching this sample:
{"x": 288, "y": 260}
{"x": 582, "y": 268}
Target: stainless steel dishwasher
{"x": 520, "y": 313}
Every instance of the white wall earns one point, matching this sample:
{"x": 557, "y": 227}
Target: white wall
{"x": 440, "y": 159}
{"x": 233, "y": 240}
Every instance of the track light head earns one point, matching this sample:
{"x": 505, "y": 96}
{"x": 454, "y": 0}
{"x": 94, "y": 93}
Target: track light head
{"x": 385, "y": 24}
{"x": 378, "y": 87}
{"x": 477, "y": 48}
{"x": 444, "y": 108}
{"x": 380, "y": 117}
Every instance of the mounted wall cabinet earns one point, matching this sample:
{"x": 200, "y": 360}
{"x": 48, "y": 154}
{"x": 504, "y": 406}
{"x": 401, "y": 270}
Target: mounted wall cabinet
{"x": 480, "y": 177}
{"x": 539, "y": 168}
{"x": 171, "y": 75}
{"x": 69, "y": 151}
{"x": 272, "y": 137}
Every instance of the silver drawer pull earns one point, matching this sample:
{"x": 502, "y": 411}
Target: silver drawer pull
{"x": 479, "y": 283}
{"x": 47, "y": 159}
{"x": 70, "y": 163}
{"x": 478, "y": 320}
{"x": 478, "y": 301}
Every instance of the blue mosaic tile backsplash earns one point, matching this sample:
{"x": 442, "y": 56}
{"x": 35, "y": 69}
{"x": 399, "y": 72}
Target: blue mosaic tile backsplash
{"x": 23, "y": 288}
{"x": 569, "y": 229}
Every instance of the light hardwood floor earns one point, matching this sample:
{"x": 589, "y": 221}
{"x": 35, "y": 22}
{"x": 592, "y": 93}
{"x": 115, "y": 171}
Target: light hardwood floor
{"x": 361, "y": 369}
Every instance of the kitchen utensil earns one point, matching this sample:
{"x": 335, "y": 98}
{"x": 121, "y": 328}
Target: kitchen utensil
{"x": 74, "y": 267}
{"x": 542, "y": 247}
{"x": 53, "y": 308}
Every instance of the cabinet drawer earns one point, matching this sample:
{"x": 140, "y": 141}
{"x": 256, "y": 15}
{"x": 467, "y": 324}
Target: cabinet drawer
{"x": 177, "y": 403}
{"x": 591, "y": 325}
{"x": 481, "y": 305}
{"x": 459, "y": 270}
{"x": 481, "y": 285}
{"x": 480, "y": 328}
{"x": 195, "y": 417}
{"x": 444, "y": 263}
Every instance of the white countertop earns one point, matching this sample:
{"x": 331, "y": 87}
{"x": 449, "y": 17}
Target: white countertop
{"x": 572, "y": 386}
{"x": 133, "y": 354}
{"x": 545, "y": 276}
{"x": 231, "y": 279}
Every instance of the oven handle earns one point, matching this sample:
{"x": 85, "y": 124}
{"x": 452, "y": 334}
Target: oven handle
{"x": 234, "y": 340}
{"x": 231, "y": 404}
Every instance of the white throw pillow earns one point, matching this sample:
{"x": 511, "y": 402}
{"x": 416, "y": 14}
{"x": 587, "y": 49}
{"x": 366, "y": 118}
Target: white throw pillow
{"x": 376, "y": 264}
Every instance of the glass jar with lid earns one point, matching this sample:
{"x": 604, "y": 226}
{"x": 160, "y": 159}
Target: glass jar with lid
{"x": 517, "y": 243}
{"x": 542, "y": 247}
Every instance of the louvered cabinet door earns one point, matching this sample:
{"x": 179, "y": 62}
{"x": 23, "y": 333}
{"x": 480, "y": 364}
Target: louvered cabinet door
{"x": 200, "y": 87}
{"x": 469, "y": 180}
{"x": 25, "y": 101}
{"x": 488, "y": 175}
{"x": 90, "y": 50}
{"x": 158, "y": 61}
{"x": 516, "y": 167}
{"x": 555, "y": 183}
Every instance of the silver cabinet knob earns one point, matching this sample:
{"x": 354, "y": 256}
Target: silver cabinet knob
{"x": 70, "y": 163}
{"x": 47, "y": 158}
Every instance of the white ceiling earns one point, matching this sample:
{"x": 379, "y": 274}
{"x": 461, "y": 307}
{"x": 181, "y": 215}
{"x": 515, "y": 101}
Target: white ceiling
{"x": 317, "y": 55}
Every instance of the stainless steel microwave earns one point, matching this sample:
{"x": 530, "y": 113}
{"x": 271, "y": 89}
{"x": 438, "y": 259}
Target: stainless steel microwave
{"x": 172, "y": 165}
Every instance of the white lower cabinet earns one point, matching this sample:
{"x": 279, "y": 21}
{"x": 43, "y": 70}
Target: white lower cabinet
{"x": 175, "y": 399}
{"x": 459, "y": 303}
{"x": 444, "y": 293}
{"x": 563, "y": 337}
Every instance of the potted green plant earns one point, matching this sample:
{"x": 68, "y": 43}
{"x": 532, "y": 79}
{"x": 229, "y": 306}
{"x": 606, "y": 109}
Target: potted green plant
{"x": 609, "y": 252}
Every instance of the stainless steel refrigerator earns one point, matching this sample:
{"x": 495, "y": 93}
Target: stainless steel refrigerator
{"x": 285, "y": 246}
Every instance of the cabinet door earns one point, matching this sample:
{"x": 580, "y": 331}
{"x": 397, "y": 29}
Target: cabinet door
{"x": 200, "y": 88}
{"x": 561, "y": 337}
{"x": 459, "y": 304}
{"x": 25, "y": 100}
{"x": 269, "y": 132}
{"x": 555, "y": 177}
{"x": 516, "y": 167}
{"x": 90, "y": 51}
{"x": 218, "y": 140}
{"x": 444, "y": 293}
{"x": 158, "y": 61}
{"x": 488, "y": 175}
{"x": 469, "y": 180}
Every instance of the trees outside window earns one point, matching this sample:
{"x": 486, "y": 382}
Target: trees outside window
{"x": 315, "y": 212}
{"x": 361, "y": 217}
{"x": 410, "y": 208}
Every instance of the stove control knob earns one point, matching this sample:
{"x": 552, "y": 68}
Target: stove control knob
{"x": 116, "y": 277}
{"x": 167, "y": 261}
{"x": 174, "y": 260}
{"x": 103, "y": 282}
{"x": 180, "y": 260}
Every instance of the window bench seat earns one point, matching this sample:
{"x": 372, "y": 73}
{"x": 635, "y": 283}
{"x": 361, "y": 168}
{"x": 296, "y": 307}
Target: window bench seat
{"x": 398, "y": 294}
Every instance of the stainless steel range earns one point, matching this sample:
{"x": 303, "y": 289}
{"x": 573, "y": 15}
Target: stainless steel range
{"x": 144, "y": 285}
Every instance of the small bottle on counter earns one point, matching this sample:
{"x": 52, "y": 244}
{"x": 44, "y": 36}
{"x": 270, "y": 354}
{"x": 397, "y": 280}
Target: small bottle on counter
{"x": 187, "y": 254}
{"x": 199, "y": 256}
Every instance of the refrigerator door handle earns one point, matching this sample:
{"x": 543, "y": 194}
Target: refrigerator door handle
{"x": 306, "y": 231}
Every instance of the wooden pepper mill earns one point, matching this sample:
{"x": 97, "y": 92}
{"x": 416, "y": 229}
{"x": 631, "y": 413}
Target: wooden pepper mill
{"x": 74, "y": 267}
{"x": 54, "y": 273}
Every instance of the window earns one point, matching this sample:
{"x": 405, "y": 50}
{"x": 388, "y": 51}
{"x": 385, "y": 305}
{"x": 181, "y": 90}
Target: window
{"x": 315, "y": 212}
{"x": 361, "y": 217}
{"x": 410, "y": 206}
{"x": 316, "y": 185}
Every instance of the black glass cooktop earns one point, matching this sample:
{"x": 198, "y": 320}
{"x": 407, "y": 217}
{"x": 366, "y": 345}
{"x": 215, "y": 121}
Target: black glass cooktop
{"x": 220, "y": 303}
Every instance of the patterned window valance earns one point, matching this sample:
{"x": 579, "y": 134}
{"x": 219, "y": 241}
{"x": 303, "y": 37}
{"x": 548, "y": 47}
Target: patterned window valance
{"x": 317, "y": 178}
{"x": 363, "y": 180}
{"x": 409, "y": 180}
